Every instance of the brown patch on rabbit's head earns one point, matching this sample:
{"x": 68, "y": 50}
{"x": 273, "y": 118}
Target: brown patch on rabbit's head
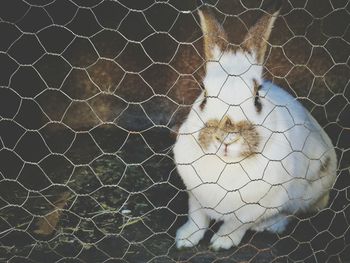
{"x": 206, "y": 135}
{"x": 239, "y": 138}
{"x": 251, "y": 137}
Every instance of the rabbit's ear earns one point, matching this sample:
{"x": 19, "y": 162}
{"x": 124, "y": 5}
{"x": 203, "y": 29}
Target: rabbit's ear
{"x": 257, "y": 37}
{"x": 214, "y": 34}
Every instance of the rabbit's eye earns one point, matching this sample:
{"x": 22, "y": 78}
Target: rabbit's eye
{"x": 217, "y": 138}
{"x": 257, "y": 102}
{"x": 204, "y": 101}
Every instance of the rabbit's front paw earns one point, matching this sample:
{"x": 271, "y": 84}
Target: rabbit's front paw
{"x": 226, "y": 238}
{"x": 222, "y": 242}
{"x": 219, "y": 242}
{"x": 188, "y": 235}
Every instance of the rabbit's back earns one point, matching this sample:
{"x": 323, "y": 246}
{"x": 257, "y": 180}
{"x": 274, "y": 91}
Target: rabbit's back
{"x": 287, "y": 116}
{"x": 305, "y": 151}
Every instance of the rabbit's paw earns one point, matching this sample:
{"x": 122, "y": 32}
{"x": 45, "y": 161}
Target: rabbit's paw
{"x": 223, "y": 242}
{"x": 188, "y": 235}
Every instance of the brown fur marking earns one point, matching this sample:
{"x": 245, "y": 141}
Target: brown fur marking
{"x": 257, "y": 101}
{"x": 255, "y": 41}
{"x": 206, "y": 135}
{"x": 257, "y": 86}
{"x": 325, "y": 165}
{"x": 250, "y": 136}
{"x": 204, "y": 101}
{"x": 215, "y": 129}
{"x": 257, "y": 36}
{"x": 213, "y": 32}
{"x": 321, "y": 203}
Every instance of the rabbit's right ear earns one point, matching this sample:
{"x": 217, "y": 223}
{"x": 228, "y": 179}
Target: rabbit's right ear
{"x": 257, "y": 38}
{"x": 215, "y": 38}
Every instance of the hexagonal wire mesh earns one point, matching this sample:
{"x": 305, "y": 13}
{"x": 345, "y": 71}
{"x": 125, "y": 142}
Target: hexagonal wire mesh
{"x": 92, "y": 96}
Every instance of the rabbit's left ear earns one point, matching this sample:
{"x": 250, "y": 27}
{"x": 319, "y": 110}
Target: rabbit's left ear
{"x": 257, "y": 37}
{"x": 213, "y": 33}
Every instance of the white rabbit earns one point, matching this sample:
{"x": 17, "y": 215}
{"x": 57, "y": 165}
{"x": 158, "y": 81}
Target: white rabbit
{"x": 249, "y": 153}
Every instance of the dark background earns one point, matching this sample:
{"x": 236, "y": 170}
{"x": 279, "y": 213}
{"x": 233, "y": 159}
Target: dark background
{"x": 91, "y": 95}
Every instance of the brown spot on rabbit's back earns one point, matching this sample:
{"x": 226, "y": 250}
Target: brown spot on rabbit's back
{"x": 325, "y": 165}
{"x": 206, "y": 134}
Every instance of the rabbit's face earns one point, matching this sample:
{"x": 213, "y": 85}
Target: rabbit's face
{"x": 232, "y": 107}
{"x": 229, "y": 140}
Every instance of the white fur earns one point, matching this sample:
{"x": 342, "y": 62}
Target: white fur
{"x": 252, "y": 192}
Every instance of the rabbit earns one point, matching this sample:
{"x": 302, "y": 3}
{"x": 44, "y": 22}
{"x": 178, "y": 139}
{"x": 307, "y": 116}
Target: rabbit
{"x": 249, "y": 154}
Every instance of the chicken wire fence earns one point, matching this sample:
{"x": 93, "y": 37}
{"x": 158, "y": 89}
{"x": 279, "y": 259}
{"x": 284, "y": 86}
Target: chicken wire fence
{"x": 92, "y": 95}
